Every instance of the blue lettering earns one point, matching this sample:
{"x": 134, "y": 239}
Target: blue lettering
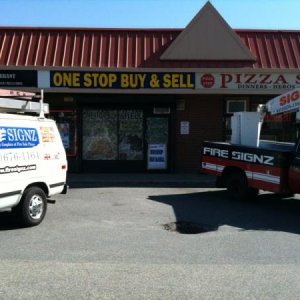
{"x": 10, "y": 135}
{"x": 18, "y": 137}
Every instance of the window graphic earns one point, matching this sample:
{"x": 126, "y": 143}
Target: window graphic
{"x": 112, "y": 134}
{"x": 66, "y": 124}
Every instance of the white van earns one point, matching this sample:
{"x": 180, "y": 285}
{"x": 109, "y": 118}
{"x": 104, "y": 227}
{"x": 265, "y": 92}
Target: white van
{"x": 33, "y": 161}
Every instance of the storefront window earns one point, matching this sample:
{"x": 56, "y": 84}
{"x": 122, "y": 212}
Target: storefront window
{"x": 99, "y": 134}
{"x": 112, "y": 134}
{"x": 66, "y": 124}
{"x": 233, "y": 106}
{"x": 130, "y": 134}
{"x": 157, "y": 130}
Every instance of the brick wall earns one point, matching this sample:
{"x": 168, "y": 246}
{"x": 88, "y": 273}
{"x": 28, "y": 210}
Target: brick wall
{"x": 204, "y": 114}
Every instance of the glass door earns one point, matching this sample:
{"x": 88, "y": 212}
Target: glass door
{"x": 157, "y": 142}
{"x": 130, "y": 135}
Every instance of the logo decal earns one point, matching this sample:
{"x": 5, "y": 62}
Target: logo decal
{"x": 2, "y": 134}
{"x": 18, "y": 137}
{"x": 207, "y": 80}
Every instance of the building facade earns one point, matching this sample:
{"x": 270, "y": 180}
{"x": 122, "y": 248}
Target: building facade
{"x": 144, "y": 100}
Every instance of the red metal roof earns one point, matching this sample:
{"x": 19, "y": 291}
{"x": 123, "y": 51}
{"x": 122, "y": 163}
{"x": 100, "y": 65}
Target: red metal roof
{"x": 132, "y": 48}
{"x": 273, "y": 49}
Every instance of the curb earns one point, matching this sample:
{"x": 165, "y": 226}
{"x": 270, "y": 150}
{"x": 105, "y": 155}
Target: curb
{"x": 102, "y": 180}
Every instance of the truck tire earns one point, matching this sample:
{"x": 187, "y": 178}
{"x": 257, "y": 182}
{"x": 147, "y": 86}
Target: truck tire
{"x": 33, "y": 206}
{"x": 237, "y": 187}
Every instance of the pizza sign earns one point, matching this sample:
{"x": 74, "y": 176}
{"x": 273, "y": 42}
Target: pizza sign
{"x": 247, "y": 81}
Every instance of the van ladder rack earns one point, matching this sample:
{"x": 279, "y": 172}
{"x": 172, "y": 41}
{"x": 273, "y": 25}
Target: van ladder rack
{"x": 9, "y": 102}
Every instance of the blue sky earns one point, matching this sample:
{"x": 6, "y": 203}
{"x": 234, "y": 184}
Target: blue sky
{"x": 250, "y": 14}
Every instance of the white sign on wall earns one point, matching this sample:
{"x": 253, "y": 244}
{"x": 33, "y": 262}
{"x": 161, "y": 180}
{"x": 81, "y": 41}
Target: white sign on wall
{"x": 184, "y": 127}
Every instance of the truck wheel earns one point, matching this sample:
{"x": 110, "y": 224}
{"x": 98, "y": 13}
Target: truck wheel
{"x": 237, "y": 186}
{"x": 33, "y": 206}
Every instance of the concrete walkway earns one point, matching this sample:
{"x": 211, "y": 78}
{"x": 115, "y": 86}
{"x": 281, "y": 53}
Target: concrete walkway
{"x": 140, "y": 179}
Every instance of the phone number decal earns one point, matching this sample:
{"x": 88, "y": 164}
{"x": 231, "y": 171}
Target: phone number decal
{"x": 18, "y": 156}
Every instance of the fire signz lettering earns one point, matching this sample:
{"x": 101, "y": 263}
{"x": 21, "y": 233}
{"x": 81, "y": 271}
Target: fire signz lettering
{"x": 241, "y": 156}
{"x": 254, "y": 158}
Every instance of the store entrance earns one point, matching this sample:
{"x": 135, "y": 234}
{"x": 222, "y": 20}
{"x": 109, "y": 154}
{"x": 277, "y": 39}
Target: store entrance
{"x": 157, "y": 129}
{"x": 124, "y": 140}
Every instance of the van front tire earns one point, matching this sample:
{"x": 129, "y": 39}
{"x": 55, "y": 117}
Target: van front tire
{"x": 33, "y": 206}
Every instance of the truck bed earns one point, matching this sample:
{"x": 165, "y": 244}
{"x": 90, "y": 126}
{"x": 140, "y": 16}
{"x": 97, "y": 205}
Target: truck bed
{"x": 280, "y": 152}
{"x": 265, "y": 167}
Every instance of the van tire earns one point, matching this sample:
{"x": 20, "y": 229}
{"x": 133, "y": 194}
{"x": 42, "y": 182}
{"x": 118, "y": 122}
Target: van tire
{"x": 33, "y": 206}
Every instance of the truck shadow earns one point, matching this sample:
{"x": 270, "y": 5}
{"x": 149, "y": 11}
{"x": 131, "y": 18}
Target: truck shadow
{"x": 214, "y": 209}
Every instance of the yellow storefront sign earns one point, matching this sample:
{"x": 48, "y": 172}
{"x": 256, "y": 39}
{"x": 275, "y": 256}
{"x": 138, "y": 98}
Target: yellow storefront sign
{"x": 121, "y": 80}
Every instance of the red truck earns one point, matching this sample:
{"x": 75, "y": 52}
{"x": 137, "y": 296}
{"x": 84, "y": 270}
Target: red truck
{"x": 247, "y": 164}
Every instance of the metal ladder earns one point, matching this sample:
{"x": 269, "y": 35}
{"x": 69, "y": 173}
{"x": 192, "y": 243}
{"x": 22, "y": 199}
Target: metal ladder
{"x": 12, "y": 101}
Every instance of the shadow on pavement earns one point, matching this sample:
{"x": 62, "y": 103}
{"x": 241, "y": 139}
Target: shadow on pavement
{"x": 82, "y": 185}
{"x": 9, "y": 222}
{"x": 214, "y": 209}
{"x": 134, "y": 180}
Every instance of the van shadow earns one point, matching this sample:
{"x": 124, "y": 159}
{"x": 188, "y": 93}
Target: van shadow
{"x": 214, "y": 209}
{"x": 8, "y": 221}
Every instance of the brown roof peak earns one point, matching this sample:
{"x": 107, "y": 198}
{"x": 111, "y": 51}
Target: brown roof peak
{"x": 207, "y": 37}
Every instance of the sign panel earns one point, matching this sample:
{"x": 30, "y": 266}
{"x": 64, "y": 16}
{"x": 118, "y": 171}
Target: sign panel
{"x": 184, "y": 127}
{"x": 17, "y": 78}
{"x": 222, "y": 81}
{"x": 18, "y": 137}
{"x": 157, "y": 157}
{"x": 284, "y": 103}
{"x": 247, "y": 81}
{"x": 122, "y": 80}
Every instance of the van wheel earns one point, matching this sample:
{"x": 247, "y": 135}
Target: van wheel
{"x": 33, "y": 206}
{"x": 237, "y": 186}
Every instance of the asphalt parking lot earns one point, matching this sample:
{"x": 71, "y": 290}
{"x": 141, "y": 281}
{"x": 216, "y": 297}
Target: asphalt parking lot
{"x": 121, "y": 242}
